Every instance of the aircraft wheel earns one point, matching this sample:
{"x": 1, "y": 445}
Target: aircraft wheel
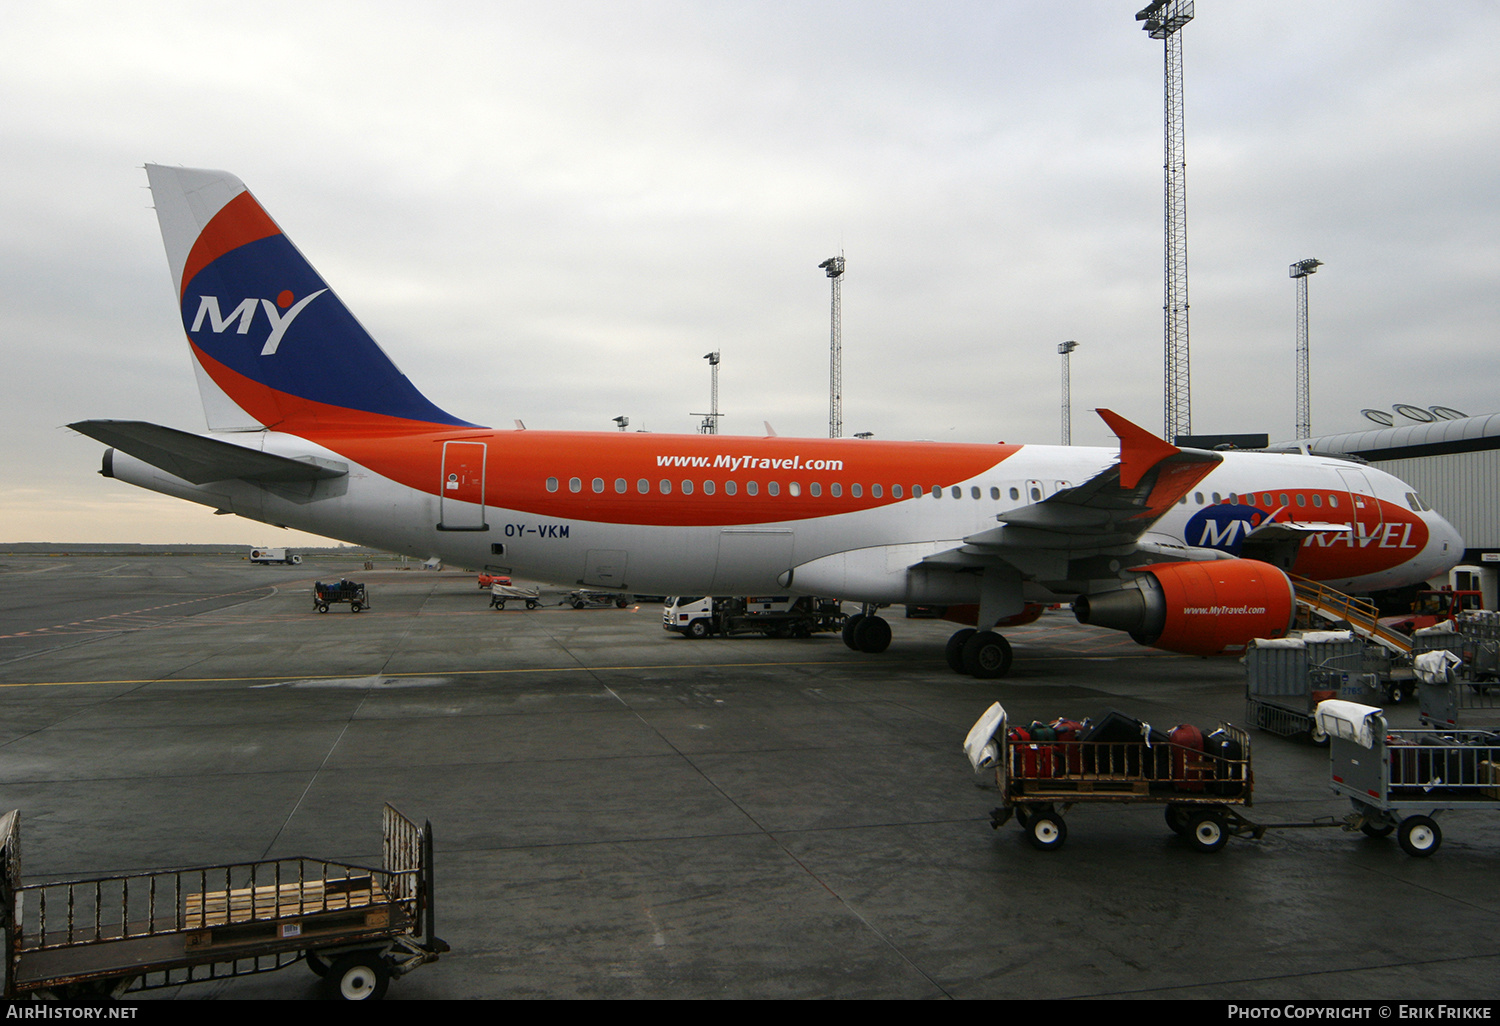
{"x": 362, "y": 976}
{"x": 872, "y": 635}
{"x": 1419, "y": 836}
{"x": 954, "y": 652}
{"x": 851, "y": 624}
{"x": 987, "y": 655}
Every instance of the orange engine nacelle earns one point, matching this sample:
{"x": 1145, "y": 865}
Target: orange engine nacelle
{"x": 1197, "y": 608}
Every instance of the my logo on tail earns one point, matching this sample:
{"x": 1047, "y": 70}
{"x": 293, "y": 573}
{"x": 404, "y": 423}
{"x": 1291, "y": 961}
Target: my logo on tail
{"x": 208, "y": 309}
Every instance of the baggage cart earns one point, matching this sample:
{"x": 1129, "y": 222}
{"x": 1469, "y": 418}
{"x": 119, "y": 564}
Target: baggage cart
{"x": 104, "y": 937}
{"x": 499, "y": 593}
{"x": 1400, "y": 780}
{"x": 584, "y": 599}
{"x": 1456, "y": 683}
{"x": 1286, "y": 678}
{"x": 325, "y": 595}
{"x": 1201, "y": 791}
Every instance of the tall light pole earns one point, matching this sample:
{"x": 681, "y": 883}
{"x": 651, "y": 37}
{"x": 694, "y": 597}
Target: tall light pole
{"x": 1299, "y": 272}
{"x": 1066, "y": 349}
{"x": 710, "y": 425}
{"x": 1164, "y": 20}
{"x": 835, "y": 268}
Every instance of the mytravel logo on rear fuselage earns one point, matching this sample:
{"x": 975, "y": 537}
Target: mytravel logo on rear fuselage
{"x": 210, "y": 312}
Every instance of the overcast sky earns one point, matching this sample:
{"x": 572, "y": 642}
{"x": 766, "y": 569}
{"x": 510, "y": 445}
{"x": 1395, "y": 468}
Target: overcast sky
{"x": 551, "y": 212}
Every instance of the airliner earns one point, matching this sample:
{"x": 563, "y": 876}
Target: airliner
{"x": 311, "y": 426}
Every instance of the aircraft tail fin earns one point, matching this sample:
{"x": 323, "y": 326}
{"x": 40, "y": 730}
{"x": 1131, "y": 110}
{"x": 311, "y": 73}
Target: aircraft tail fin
{"x": 273, "y": 345}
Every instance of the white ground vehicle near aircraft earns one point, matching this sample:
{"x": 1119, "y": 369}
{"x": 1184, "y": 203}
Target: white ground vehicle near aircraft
{"x": 313, "y": 427}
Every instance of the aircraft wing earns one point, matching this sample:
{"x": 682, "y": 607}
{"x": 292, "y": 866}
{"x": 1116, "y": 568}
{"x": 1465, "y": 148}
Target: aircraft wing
{"x": 200, "y": 460}
{"x": 1114, "y": 508}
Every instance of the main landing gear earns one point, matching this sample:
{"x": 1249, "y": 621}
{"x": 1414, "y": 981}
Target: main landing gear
{"x": 866, "y": 632}
{"x": 982, "y": 654}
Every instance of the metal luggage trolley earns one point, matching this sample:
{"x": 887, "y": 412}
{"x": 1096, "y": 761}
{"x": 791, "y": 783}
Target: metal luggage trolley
{"x": 1201, "y": 792}
{"x": 1286, "y": 678}
{"x": 499, "y": 593}
{"x": 352, "y": 592}
{"x": 356, "y": 927}
{"x": 1399, "y": 780}
{"x": 1458, "y": 674}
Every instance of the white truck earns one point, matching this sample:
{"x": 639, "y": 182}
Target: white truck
{"x": 776, "y": 616}
{"x": 274, "y": 555}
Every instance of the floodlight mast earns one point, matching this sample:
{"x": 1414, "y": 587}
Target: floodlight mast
{"x": 1164, "y": 20}
{"x": 1299, "y": 272}
{"x": 1066, "y": 349}
{"x": 710, "y": 425}
{"x": 835, "y": 268}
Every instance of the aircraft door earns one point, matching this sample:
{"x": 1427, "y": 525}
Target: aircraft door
{"x": 461, "y": 490}
{"x": 1364, "y": 516}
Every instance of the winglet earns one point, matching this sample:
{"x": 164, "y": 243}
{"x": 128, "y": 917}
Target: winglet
{"x": 1140, "y": 450}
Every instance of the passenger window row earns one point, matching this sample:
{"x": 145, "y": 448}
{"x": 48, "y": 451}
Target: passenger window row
{"x": 794, "y": 488}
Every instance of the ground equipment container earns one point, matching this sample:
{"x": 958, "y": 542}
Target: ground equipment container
{"x": 1400, "y": 780}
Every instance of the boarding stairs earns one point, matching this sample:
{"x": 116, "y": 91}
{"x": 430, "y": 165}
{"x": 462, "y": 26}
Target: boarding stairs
{"x": 1361, "y": 616}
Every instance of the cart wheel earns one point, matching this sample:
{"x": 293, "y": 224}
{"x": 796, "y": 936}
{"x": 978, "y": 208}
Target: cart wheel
{"x": 1177, "y": 819}
{"x": 362, "y": 976}
{"x": 1046, "y": 831}
{"x": 355, "y": 607}
{"x": 531, "y": 603}
{"x": 1393, "y": 694}
{"x": 317, "y": 963}
{"x": 1317, "y": 735}
{"x": 322, "y": 607}
{"x": 578, "y": 603}
{"x": 1206, "y": 831}
{"x": 621, "y": 603}
{"x": 1376, "y": 828}
{"x": 1419, "y": 836}
{"x": 1023, "y": 816}
{"x": 498, "y": 603}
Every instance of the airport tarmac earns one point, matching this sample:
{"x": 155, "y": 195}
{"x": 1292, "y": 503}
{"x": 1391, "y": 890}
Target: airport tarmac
{"x": 621, "y": 812}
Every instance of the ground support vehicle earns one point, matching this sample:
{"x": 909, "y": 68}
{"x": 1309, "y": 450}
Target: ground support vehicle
{"x": 584, "y": 599}
{"x": 1399, "y": 780}
{"x": 499, "y": 593}
{"x": 775, "y": 616}
{"x": 1434, "y": 607}
{"x": 325, "y": 595}
{"x": 355, "y": 926}
{"x": 1286, "y": 678}
{"x": 1200, "y": 789}
{"x": 274, "y": 555}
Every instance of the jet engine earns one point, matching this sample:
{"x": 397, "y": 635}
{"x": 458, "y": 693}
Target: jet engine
{"x": 1196, "y": 608}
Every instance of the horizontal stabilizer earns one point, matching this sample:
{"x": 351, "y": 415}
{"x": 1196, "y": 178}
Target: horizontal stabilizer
{"x": 200, "y": 460}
